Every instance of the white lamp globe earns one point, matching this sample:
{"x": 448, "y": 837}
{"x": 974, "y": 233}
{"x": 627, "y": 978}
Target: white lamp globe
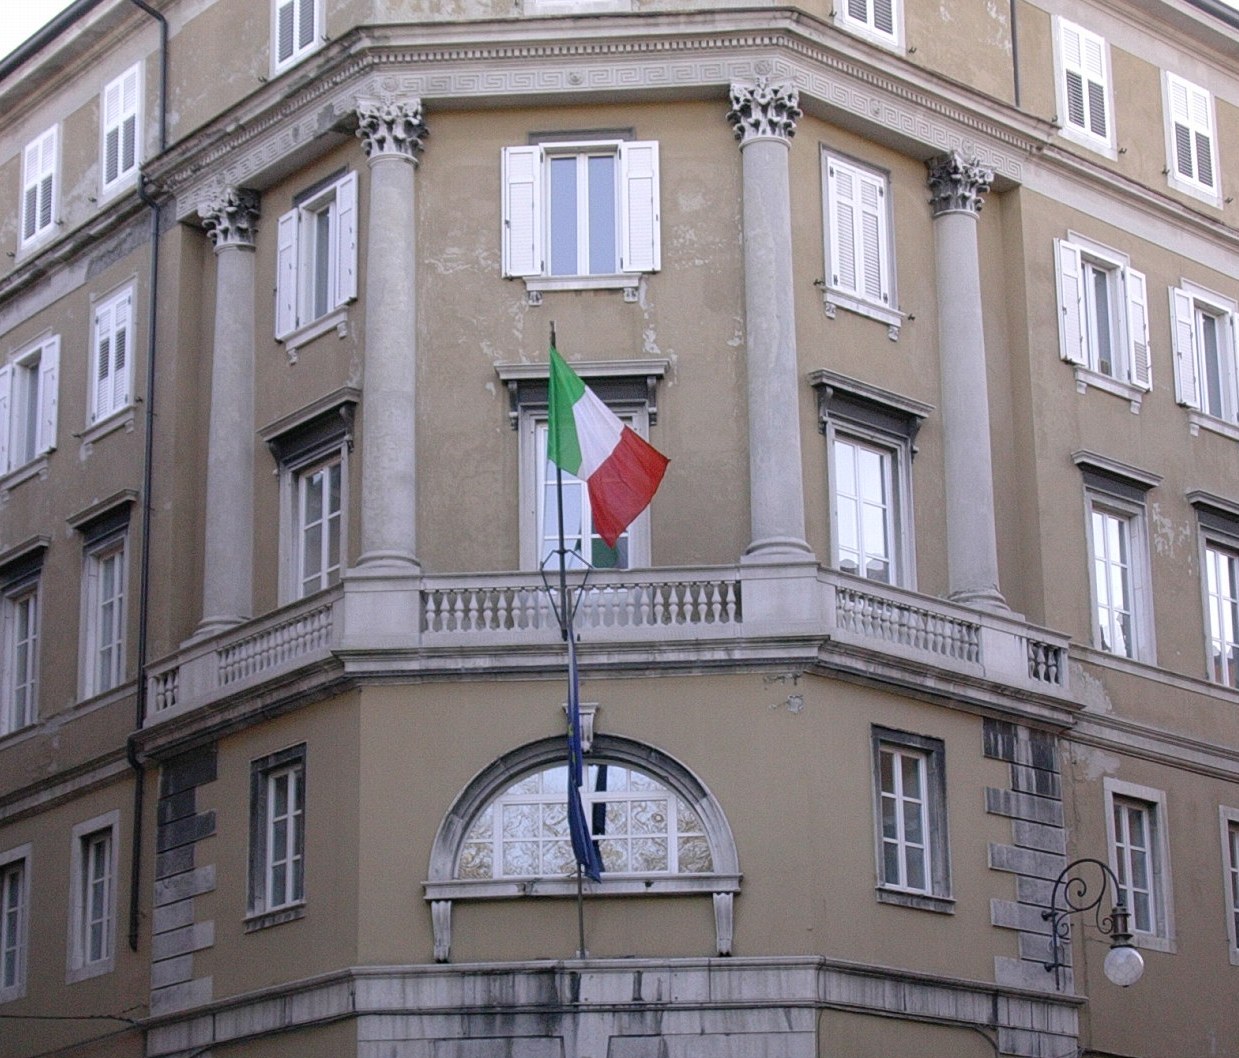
{"x": 1124, "y": 965}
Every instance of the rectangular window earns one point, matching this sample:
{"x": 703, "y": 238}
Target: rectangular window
{"x": 112, "y": 366}
{"x": 863, "y": 495}
{"x": 1136, "y": 827}
{"x": 1119, "y": 556}
{"x": 277, "y": 836}
{"x": 104, "y": 589}
{"x": 39, "y": 164}
{"x": 859, "y": 252}
{"x": 1230, "y": 876}
{"x": 319, "y": 524}
{"x": 121, "y": 117}
{"x": 1084, "y": 86}
{"x": 93, "y": 876}
{"x": 1103, "y": 313}
{"x": 1206, "y": 354}
{"x": 295, "y": 30}
{"x": 1222, "y": 604}
{"x": 20, "y": 608}
{"x": 14, "y": 922}
{"x": 1192, "y": 161}
{"x": 28, "y": 404}
{"x": 581, "y": 214}
{"x": 910, "y": 799}
{"x": 878, "y": 20}
{"x": 316, "y": 263}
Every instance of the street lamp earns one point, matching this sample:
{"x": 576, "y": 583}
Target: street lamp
{"x": 1072, "y": 895}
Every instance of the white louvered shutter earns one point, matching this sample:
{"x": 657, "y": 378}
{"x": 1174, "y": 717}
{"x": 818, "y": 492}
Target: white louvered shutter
{"x": 1070, "y": 302}
{"x": 1191, "y": 115}
{"x": 1086, "y": 81}
{"x": 121, "y": 352}
{"x": 841, "y": 196}
{"x": 103, "y": 360}
{"x": 49, "y": 398}
{"x": 1183, "y": 334}
{"x": 39, "y": 184}
{"x": 346, "y": 240}
{"x": 286, "y": 274}
{"x": 285, "y": 30}
{"x": 120, "y": 127}
{"x": 640, "y": 249}
{"x": 522, "y": 211}
{"x": 1138, "y": 330}
{"x": 856, "y": 201}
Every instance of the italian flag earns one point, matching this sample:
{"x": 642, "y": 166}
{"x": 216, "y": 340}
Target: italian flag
{"x": 585, "y": 438}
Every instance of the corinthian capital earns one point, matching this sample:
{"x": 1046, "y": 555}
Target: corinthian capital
{"x": 390, "y": 128}
{"x": 956, "y": 183}
{"x": 764, "y": 110}
{"x": 232, "y": 218}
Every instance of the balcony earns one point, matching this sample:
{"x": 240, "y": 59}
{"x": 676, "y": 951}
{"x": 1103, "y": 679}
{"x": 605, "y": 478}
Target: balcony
{"x": 798, "y": 614}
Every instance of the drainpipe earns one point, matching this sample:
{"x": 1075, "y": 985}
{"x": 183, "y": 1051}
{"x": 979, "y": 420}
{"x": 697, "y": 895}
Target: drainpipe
{"x": 1015, "y": 54}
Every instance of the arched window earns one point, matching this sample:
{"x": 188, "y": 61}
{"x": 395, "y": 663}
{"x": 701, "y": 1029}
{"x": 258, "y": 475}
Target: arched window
{"x": 658, "y": 828}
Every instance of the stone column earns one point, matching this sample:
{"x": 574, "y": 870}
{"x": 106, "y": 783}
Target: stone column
{"x": 391, "y": 133}
{"x": 228, "y": 568}
{"x": 956, "y": 185}
{"x": 764, "y": 116}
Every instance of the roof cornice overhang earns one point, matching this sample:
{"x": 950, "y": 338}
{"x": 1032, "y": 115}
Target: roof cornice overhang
{"x": 653, "y": 57}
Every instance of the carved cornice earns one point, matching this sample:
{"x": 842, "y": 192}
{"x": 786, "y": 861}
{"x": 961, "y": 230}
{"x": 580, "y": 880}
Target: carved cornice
{"x": 957, "y": 183}
{"x": 764, "y": 110}
{"x": 391, "y": 128}
{"x": 232, "y": 218}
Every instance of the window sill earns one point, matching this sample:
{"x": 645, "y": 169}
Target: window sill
{"x": 1198, "y": 420}
{"x": 942, "y": 905}
{"x": 1089, "y": 142}
{"x": 1196, "y": 191}
{"x": 838, "y": 299}
{"x": 294, "y": 341}
{"x": 866, "y": 32}
{"x": 566, "y": 886}
{"x": 1150, "y": 942}
{"x": 89, "y": 970}
{"x": 117, "y": 420}
{"x": 628, "y": 282}
{"x": 37, "y": 467}
{"x": 267, "y": 919}
{"x": 1086, "y": 376}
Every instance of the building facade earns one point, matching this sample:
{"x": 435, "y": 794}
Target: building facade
{"x": 934, "y": 309}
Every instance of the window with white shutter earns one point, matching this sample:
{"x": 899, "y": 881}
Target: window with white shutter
{"x": 112, "y": 359}
{"x": 28, "y": 404}
{"x": 860, "y": 273}
{"x": 39, "y": 164}
{"x": 1084, "y": 104}
{"x": 316, "y": 259}
{"x": 1206, "y": 356}
{"x": 120, "y": 105}
{"x": 1190, "y": 140}
{"x": 877, "y": 20}
{"x": 581, "y": 214}
{"x": 296, "y": 30}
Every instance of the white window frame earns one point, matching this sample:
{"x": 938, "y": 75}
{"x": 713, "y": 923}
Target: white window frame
{"x": 15, "y": 921}
{"x": 87, "y": 904}
{"x": 929, "y": 801}
{"x": 861, "y": 18}
{"x": 859, "y": 246}
{"x": 895, "y": 460}
{"x": 1083, "y": 54}
{"x": 1228, "y": 818}
{"x": 331, "y": 523}
{"x": 266, "y": 905}
{"x": 29, "y": 401}
{"x": 1191, "y": 124}
{"x": 1190, "y": 303}
{"x": 1221, "y": 560}
{"x": 105, "y": 619}
{"x": 315, "y": 284}
{"x": 40, "y": 187}
{"x": 21, "y": 653}
{"x": 120, "y": 117}
{"x": 298, "y": 48}
{"x": 1078, "y": 259}
{"x": 1131, "y": 516}
{"x": 527, "y": 214}
{"x": 112, "y": 355}
{"x": 1158, "y": 933}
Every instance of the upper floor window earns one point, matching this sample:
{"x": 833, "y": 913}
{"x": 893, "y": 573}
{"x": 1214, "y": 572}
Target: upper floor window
{"x": 316, "y": 263}
{"x": 277, "y": 837}
{"x": 28, "y": 403}
{"x": 19, "y": 693}
{"x": 1084, "y": 86}
{"x": 92, "y": 899}
{"x": 1230, "y": 876}
{"x": 14, "y": 921}
{"x": 878, "y": 20}
{"x": 1219, "y": 530}
{"x": 104, "y": 529}
{"x": 122, "y": 121}
{"x": 860, "y": 271}
{"x": 40, "y": 161}
{"x": 296, "y": 30}
{"x": 1190, "y": 139}
{"x": 1103, "y": 316}
{"x": 581, "y": 214}
{"x": 1139, "y": 857}
{"x": 112, "y": 356}
{"x": 1206, "y": 355}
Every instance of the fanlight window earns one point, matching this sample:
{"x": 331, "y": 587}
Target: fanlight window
{"x": 640, "y": 826}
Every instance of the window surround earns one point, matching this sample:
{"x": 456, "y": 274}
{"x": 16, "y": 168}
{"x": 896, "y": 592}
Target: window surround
{"x": 932, "y": 751}
{"x": 262, "y": 913}
{"x": 1162, "y": 938}
{"x": 880, "y": 306}
{"x": 21, "y": 570}
{"x": 1188, "y": 303}
{"x": 877, "y": 417}
{"x": 1119, "y": 490}
{"x": 1093, "y": 69}
{"x": 28, "y": 409}
{"x": 865, "y": 25}
{"x": 19, "y": 857}
{"x": 79, "y": 967}
{"x": 1075, "y": 259}
{"x": 124, "y": 95}
{"x": 1190, "y": 108}
{"x": 40, "y": 188}
{"x": 442, "y": 887}
{"x": 296, "y": 52}
{"x": 308, "y": 438}
{"x": 1218, "y": 520}
{"x": 627, "y": 387}
{"x": 104, "y": 529}
{"x": 112, "y": 315}
{"x": 1229, "y": 820}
